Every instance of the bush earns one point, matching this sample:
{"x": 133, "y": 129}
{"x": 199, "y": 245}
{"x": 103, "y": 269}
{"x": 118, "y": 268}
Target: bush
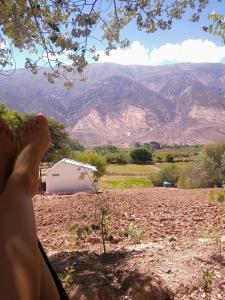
{"x": 169, "y": 158}
{"x": 168, "y": 173}
{"x": 141, "y": 155}
{"x": 185, "y": 182}
{"x": 204, "y": 172}
{"x": 159, "y": 159}
{"x": 215, "y": 151}
{"x": 106, "y": 149}
{"x": 92, "y": 158}
{"x": 118, "y": 158}
{"x": 156, "y": 179}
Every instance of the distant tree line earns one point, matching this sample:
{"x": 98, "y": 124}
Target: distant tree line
{"x": 157, "y": 145}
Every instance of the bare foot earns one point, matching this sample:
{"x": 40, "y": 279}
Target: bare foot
{"x": 35, "y": 133}
{"x": 34, "y": 142}
{"x": 8, "y": 152}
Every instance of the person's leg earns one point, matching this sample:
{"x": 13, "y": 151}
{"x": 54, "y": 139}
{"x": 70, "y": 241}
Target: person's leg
{"x": 8, "y": 151}
{"x": 20, "y": 259}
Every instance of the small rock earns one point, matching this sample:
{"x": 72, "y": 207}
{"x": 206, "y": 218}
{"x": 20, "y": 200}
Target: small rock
{"x": 198, "y": 219}
{"x": 172, "y": 239}
{"x": 94, "y": 240}
{"x": 163, "y": 219}
{"x": 223, "y": 239}
{"x": 114, "y": 240}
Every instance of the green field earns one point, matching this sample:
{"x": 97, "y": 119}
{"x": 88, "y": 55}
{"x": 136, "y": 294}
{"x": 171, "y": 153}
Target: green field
{"x": 181, "y": 165}
{"x": 130, "y": 169}
{"x": 132, "y": 175}
{"x": 125, "y": 182}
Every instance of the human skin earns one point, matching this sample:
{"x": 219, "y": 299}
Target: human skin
{"x": 24, "y": 274}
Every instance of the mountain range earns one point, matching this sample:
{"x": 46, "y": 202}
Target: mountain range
{"x": 181, "y": 103}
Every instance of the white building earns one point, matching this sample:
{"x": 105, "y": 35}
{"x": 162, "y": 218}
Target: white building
{"x": 69, "y": 176}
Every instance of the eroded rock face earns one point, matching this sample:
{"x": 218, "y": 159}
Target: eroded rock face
{"x": 182, "y": 103}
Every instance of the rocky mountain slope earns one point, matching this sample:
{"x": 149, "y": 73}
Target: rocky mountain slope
{"x": 182, "y": 103}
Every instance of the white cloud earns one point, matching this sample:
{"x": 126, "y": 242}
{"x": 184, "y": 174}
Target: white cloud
{"x": 190, "y": 50}
{"x": 136, "y": 54}
{"x": 3, "y": 45}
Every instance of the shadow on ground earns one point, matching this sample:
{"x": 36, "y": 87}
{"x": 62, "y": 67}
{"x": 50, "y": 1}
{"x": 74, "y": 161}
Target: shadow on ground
{"x": 94, "y": 276}
{"x": 218, "y": 258}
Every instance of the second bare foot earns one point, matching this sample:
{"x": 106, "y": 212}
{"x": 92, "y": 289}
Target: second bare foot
{"x": 8, "y": 152}
{"x": 34, "y": 142}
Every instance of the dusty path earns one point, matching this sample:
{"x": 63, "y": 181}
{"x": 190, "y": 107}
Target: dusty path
{"x": 177, "y": 230}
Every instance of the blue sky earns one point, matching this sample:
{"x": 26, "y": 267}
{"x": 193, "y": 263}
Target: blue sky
{"x": 185, "y": 42}
{"x": 182, "y": 29}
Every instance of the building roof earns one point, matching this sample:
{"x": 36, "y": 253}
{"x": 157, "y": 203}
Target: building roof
{"x": 74, "y": 162}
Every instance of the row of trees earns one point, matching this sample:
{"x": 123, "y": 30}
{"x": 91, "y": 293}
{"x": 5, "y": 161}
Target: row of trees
{"x": 140, "y": 154}
{"x": 153, "y": 145}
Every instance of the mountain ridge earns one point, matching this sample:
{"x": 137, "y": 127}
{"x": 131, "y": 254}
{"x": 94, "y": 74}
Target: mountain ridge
{"x": 182, "y": 103}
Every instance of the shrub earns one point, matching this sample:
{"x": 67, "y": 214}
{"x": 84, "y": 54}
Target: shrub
{"x": 202, "y": 173}
{"x": 156, "y": 179}
{"x": 118, "y": 158}
{"x": 134, "y": 234}
{"x": 159, "y": 159}
{"x": 168, "y": 173}
{"x": 169, "y": 158}
{"x": 141, "y": 155}
{"x": 215, "y": 151}
{"x": 105, "y": 149}
{"x": 92, "y": 158}
{"x": 184, "y": 182}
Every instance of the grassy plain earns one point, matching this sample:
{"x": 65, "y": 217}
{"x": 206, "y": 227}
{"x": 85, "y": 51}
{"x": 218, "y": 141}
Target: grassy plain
{"x": 125, "y": 182}
{"x": 138, "y": 175}
{"x": 130, "y": 169}
{"x": 132, "y": 175}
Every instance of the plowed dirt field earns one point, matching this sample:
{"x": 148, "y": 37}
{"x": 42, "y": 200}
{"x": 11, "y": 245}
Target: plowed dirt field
{"x": 160, "y": 243}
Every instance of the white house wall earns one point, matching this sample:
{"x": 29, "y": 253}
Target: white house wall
{"x": 68, "y": 178}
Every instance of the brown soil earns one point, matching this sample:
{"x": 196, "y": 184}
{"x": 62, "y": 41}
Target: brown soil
{"x": 177, "y": 253}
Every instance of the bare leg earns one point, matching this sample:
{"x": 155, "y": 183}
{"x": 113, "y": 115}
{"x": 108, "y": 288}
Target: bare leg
{"x": 20, "y": 259}
{"x": 8, "y": 151}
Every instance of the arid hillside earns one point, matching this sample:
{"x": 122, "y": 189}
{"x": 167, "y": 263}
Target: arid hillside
{"x": 182, "y": 103}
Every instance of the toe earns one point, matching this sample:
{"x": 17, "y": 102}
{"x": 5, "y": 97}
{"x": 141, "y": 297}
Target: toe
{"x": 41, "y": 120}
